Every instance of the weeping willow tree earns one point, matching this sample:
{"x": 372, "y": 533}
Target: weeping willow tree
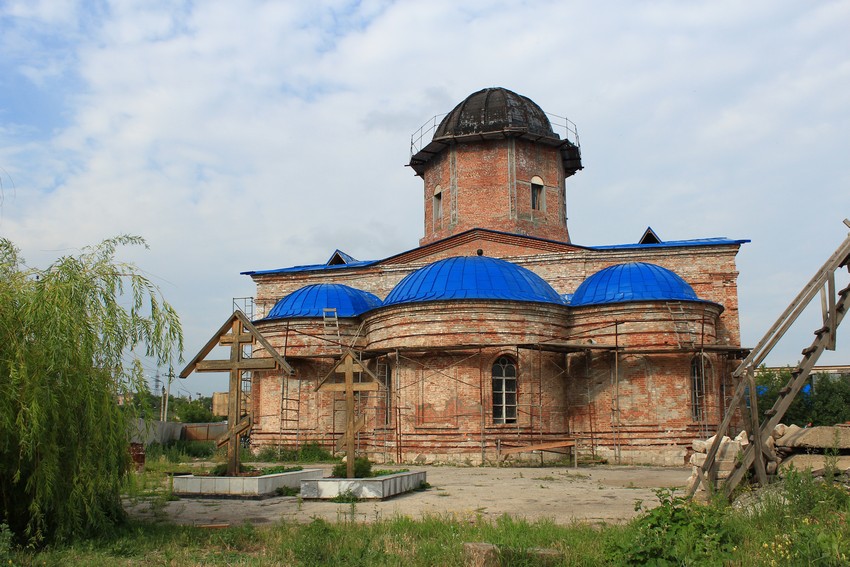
{"x": 70, "y": 340}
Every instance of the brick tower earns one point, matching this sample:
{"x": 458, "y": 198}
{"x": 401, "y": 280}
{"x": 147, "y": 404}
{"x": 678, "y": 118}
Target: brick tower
{"x": 495, "y": 162}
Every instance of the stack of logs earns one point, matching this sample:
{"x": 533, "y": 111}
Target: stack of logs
{"x": 804, "y": 448}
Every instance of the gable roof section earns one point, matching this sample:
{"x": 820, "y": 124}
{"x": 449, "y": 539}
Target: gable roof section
{"x": 649, "y": 237}
{"x": 440, "y": 248}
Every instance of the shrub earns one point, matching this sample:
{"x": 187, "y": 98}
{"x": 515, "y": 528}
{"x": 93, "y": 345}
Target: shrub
{"x": 362, "y": 468}
{"x": 307, "y": 453}
{"x": 676, "y": 532}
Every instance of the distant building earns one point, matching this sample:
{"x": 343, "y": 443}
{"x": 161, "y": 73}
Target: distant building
{"x": 498, "y": 330}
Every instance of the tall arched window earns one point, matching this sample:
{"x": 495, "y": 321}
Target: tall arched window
{"x": 700, "y": 370}
{"x": 504, "y": 390}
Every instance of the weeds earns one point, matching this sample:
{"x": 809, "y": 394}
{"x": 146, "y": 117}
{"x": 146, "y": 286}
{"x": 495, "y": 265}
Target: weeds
{"x": 345, "y": 497}
{"x": 6, "y": 542}
{"x": 307, "y": 453}
{"x": 287, "y": 491}
{"x": 180, "y": 451}
{"x": 677, "y": 532}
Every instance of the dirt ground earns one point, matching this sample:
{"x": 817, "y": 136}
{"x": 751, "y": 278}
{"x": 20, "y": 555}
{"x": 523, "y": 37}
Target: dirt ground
{"x": 564, "y": 494}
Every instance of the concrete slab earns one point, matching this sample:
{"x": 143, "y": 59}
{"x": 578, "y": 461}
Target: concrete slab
{"x": 597, "y": 494}
{"x": 248, "y": 486}
{"x": 379, "y": 488}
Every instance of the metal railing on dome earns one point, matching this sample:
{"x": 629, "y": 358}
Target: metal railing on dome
{"x": 565, "y": 128}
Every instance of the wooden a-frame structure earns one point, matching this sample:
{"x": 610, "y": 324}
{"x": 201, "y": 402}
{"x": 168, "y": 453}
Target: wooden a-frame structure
{"x": 237, "y": 333}
{"x": 348, "y": 365}
{"x": 833, "y": 308}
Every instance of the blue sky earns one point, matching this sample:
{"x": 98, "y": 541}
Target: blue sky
{"x": 238, "y": 135}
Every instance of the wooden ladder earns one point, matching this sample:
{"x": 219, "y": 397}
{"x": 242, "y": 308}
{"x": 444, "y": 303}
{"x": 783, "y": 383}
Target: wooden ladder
{"x": 833, "y": 307}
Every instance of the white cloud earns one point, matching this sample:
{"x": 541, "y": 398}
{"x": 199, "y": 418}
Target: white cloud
{"x": 248, "y": 135}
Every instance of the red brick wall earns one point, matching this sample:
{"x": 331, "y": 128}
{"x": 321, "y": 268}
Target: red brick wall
{"x": 487, "y": 185}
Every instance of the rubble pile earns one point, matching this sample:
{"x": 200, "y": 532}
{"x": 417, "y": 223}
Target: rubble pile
{"x": 788, "y": 445}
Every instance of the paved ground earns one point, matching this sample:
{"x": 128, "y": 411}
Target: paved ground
{"x": 589, "y": 494}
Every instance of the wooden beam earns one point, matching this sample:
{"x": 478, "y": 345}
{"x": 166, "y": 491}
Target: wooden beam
{"x": 346, "y": 437}
{"x": 357, "y": 387}
{"x": 538, "y": 447}
{"x": 240, "y": 428}
{"x": 244, "y": 364}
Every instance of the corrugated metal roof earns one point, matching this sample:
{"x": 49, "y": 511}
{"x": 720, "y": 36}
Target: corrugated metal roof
{"x": 635, "y": 281}
{"x": 311, "y": 268}
{"x": 718, "y": 241}
{"x": 311, "y": 300}
{"x": 673, "y": 243}
{"x": 472, "y": 277}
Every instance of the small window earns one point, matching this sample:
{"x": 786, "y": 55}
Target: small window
{"x": 437, "y": 204}
{"x": 504, "y": 391}
{"x": 698, "y": 367}
{"x": 536, "y": 197}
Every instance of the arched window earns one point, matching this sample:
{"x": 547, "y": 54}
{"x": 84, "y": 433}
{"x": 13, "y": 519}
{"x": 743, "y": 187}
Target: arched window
{"x": 700, "y": 370}
{"x": 538, "y": 194}
{"x": 504, "y": 390}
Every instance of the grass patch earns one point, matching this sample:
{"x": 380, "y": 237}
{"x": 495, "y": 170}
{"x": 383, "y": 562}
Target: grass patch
{"x": 800, "y": 521}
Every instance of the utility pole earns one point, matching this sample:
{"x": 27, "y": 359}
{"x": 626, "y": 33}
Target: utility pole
{"x": 168, "y": 392}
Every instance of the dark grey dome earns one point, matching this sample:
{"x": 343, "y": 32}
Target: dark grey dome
{"x": 492, "y": 114}
{"x": 493, "y": 110}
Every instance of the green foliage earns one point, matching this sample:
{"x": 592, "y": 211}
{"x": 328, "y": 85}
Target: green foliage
{"x": 830, "y": 400}
{"x": 5, "y": 544}
{"x": 676, "y": 532}
{"x": 195, "y": 411}
{"x": 66, "y": 334}
{"x": 362, "y": 468}
{"x": 347, "y": 496}
{"x": 307, "y": 453}
{"x": 280, "y": 469}
{"x": 768, "y": 385}
{"x": 287, "y": 491}
{"x": 180, "y": 451}
{"x": 385, "y": 472}
{"x": 801, "y": 521}
{"x": 827, "y": 402}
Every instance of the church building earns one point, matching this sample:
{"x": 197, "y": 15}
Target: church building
{"x": 498, "y": 331}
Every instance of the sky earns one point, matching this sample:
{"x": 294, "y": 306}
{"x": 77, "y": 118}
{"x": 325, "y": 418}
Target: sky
{"x": 250, "y": 135}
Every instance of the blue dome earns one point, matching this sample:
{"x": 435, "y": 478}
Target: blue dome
{"x": 472, "y": 277}
{"x": 311, "y": 300}
{"x": 635, "y": 281}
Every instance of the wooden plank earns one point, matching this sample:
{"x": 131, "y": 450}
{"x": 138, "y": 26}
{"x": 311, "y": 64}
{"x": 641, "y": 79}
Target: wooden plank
{"x": 357, "y": 387}
{"x": 243, "y": 338}
{"x": 339, "y": 364}
{"x": 264, "y": 343}
{"x": 358, "y": 427}
{"x": 761, "y": 472}
{"x": 244, "y": 364}
{"x": 240, "y": 428}
{"x": 207, "y": 348}
{"x": 538, "y": 447}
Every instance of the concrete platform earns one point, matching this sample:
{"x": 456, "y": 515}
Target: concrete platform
{"x": 248, "y": 486}
{"x": 378, "y": 488}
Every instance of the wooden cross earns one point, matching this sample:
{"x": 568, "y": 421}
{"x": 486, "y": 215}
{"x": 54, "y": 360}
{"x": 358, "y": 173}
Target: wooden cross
{"x": 348, "y": 365}
{"x": 237, "y": 332}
